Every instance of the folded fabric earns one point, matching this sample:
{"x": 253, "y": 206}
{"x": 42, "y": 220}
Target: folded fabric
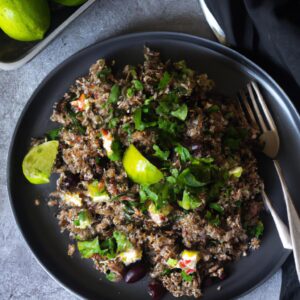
{"x": 268, "y": 32}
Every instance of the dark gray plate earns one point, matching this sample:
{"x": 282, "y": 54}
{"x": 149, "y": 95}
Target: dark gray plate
{"x": 230, "y": 71}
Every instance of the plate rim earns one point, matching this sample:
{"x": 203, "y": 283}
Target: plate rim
{"x": 228, "y": 52}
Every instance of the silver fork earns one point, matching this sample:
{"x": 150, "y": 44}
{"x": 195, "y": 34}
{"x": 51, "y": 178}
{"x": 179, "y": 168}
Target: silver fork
{"x": 261, "y": 118}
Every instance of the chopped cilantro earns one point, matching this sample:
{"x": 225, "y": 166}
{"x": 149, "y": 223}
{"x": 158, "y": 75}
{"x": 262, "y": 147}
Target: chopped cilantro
{"x": 116, "y": 151}
{"x": 181, "y": 112}
{"x": 188, "y": 179}
{"x": 189, "y": 201}
{"x": 113, "y": 122}
{"x": 53, "y": 134}
{"x": 129, "y": 92}
{"x": 160, "y": 193}
{"x": 108, "y": 248}
{"x": 139, "y": 123}
{"x": 186, "y": 277}
{"x": 166, "y": 272}
{"x": 114, "y": 94}
{"x": 104, "y": 73}
{"x": 123, "y": 243}
{"x": 165, "y": 80}
{"x": 163, "y": 155}
{"x": 137, "y": 85}
{"x": 183, "y": 153}
{"x": 216, "y": 206}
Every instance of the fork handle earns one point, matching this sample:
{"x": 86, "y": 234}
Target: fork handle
{"x": 293, "y": 218}
{"x": 282, "y": 230}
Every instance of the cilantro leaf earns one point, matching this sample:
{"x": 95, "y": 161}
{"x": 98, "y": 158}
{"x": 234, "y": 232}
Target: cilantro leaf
{"x": 137, "y": 118}
{"x": 138, "y": 122}
{"x": 54, "y": 133}
{"x": 186, "y": 277}
{"x": 187, "y": 178}
{"x": 137, "y": 85}
{"x": 123, "y": 243}
{"x": 181, "y": 112}
{"x": 108, "y": 248}
{"x": 113, "y": 123}
{"x": 259, "y": 229}
{"x": 163, "y": 108}
{"x": 129, "y": 92}
{"x": 146, "y": 193}
{"x": 163, "y": 155}
{"x": 159, "y": 193}
{"x": 183, "y": 153}
{"x": 104, "y": 73}
{"x": 216, "y": 206}
{"x": 189, "y": 201}
{"x": 163, "y": 83}
{"x": 114, "y": 94}
{"x": 168, "y": 126}
{"x": 116, "y": 151}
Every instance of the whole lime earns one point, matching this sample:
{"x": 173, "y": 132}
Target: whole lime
{"x": 24, "y": 20}
{"x": 70, "y": 2}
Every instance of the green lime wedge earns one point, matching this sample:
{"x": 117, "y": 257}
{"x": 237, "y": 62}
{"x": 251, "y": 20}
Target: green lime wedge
{"x": 38, "y": 162}
{"x": 139, "y": 169}
{"x": 70, "y": 2}
{"x": 24, "y": 20}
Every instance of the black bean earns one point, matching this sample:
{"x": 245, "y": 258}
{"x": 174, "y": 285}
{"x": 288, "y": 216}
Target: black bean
{"x": 70, "y": 181}
{"x": 135, "y": 273}
{"x": 155, "y": 289}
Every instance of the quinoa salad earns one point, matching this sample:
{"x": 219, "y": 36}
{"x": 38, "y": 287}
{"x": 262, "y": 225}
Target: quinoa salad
{"x": 157, "y": 175}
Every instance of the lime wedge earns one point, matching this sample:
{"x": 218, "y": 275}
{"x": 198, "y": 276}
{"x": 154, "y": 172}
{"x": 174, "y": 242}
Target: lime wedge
{"x": 139, "y": 169}
{"x": 38, "y": 162}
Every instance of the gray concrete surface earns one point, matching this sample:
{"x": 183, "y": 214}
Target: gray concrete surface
{"x": 21, "y": 277}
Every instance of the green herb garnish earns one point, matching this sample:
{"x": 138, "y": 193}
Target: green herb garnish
{"x": 165, "y": 80}
{"x": 163, "y": 155}
{"x": 181, "y": 112}
{"x": 186, "y": 277}
{"x": 114, "y": 94}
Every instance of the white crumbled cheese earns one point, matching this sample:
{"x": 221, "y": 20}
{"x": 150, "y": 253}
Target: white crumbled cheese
{"x": 72, "y": 199}
{"x": 101, "y": 198}
{"x": 189, "y": 260}
{"x": 159, "y": 216}
{"x": 107, "y": 142}
{"x": 130, "y": 256}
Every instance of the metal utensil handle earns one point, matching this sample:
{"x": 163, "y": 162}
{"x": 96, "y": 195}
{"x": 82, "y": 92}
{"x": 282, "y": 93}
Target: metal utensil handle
{"x": 294, "y": 221}
{"x": 282, "y": 230}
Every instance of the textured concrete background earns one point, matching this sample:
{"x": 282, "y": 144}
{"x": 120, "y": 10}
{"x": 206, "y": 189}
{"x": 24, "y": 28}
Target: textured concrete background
{"x": 21, "y": 277}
